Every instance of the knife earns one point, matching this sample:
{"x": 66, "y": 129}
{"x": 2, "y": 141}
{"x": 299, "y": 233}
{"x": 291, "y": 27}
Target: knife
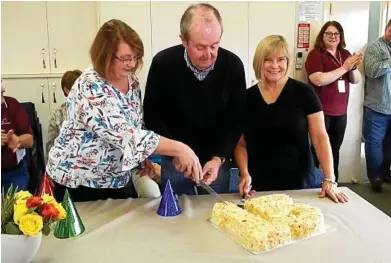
{"x": 211, "y": 191}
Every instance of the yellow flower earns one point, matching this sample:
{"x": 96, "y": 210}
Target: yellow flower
{"x": 20, "y": 209}
{"x": 48, "y": 199}
{"x": 22, "y": 195}
{"x": 31, "y": 224}
{"x": 21, "y": 202}
{"x": 62, "y": 213}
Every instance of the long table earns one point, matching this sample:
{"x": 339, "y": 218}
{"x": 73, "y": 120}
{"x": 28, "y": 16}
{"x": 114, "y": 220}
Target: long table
{"x": 131, "y": 231}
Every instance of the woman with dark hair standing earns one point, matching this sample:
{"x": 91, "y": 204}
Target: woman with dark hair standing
{"x": 331, "y": 68}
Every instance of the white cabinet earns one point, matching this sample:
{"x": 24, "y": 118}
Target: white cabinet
{"x": 24, "y": 38}
{"x": 35, "y": 35}
{"x": 40, "y": 91}
{"x": 72, "y": 27}
{"x": 262, "y": 22}
{"x": 138, "y": 16}
{"x": 55, "y": 94}
{"x": 166, "y": 18}
{"x": 32, "y": 90}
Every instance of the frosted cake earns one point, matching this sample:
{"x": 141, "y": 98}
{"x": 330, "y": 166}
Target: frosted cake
{"x": 267, "y": 222}
{"x": 253, "y": 232}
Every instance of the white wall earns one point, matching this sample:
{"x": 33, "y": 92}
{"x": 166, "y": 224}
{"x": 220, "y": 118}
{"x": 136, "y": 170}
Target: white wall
{"x": 356, "y": 18}
{"x": 158, "y": 25}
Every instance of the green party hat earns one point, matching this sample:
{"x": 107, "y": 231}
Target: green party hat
{"x": 72, "y": 225}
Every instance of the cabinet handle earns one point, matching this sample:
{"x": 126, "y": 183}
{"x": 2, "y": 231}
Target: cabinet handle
{"x": 54, "y": 92}
{"x": 42, "y": 96}
{"x": 54, "y": 57}
{"x": 43, "y": 58}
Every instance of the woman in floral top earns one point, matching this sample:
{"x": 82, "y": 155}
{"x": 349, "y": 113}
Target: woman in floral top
{"x": 102, "y": 141}
{"x": 60, "y": 113}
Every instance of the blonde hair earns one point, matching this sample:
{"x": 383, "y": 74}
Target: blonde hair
{"x": 265, "y": 48}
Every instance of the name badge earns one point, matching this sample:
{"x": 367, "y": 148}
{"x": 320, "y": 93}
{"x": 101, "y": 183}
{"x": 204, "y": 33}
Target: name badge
{"x": 341, "y": 86}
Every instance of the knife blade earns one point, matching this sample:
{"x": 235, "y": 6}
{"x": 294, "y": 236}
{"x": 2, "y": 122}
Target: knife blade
{"x": 211, "y": 191}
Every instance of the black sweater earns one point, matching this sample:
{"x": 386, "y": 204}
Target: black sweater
{"x": 206, "y": 115}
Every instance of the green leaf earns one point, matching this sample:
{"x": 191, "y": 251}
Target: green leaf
{"x": 7, "y": 207}
{"x": 12, "y": 229}
{"x": 46, "y": 230}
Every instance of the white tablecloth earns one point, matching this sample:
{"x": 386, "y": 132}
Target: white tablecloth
{"x": 131, "y": 231}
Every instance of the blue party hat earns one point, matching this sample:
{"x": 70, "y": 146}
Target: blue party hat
{"x": 169, "y": 205}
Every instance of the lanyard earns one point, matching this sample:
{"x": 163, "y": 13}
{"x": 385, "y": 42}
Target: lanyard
{"x": 339, "y": 64}
{"x": 335, "y": 58}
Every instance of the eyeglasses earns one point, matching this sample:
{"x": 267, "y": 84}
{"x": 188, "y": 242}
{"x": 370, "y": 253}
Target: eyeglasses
{"x": 129, "y": 60}
{"x": 330, "y": 34}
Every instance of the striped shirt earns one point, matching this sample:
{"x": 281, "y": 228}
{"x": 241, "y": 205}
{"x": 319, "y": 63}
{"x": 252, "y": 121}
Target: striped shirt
{"x": 200, "y": 74}
{"x": 377, "y": 63}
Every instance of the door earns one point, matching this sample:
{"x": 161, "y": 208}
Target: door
{"x": 55, "y": 94}
{"x": 24, "y": 38}
{"x": 353, "y": 16}
{"x": 72, "y": 27}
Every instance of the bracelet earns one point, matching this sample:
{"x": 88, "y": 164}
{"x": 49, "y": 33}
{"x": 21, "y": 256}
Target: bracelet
{"x": 330, "y": 181}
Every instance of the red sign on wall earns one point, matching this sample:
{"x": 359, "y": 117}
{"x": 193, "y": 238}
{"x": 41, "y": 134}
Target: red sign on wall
{"x": 303, "y": 35}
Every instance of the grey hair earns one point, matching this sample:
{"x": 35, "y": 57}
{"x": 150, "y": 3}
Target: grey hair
{"x": 187, "y": 17}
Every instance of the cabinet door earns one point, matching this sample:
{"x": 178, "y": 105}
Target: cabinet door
{"x": 32, "y": 90}
{"x": 138, "y": 16}
{"x": 261, "y": 17}
{"x": 24, "y": 38}
{"x": 56, "y": 95}
{"x": 72, "y": 27}
{"x": 165, "y": 28}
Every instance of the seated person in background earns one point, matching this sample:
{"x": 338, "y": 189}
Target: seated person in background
{"x": 16, "y": 135}
{"x": 60, "y": 113}
{"x": 274, "y": 152}
{"x": 195, "y": 93}
{"x": 102, "y": 142}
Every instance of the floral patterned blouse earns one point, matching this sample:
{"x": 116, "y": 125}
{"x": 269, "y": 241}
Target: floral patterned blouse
{"x": 102, "y": 138}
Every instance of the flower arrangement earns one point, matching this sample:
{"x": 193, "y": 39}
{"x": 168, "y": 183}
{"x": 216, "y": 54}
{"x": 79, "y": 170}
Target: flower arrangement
{"x": 25, "y": 214}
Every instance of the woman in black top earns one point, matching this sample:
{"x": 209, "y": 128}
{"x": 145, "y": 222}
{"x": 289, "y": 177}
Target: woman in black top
{"x": 280, "y": 113}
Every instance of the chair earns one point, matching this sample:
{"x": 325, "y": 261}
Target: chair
{"x": 34, "y": 155}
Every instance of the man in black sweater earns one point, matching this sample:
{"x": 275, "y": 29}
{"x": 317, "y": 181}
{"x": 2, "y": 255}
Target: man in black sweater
{"x": 195, "y": 93}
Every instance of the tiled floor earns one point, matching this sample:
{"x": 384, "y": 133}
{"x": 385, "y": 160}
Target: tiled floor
{"x": 380, "y": 200}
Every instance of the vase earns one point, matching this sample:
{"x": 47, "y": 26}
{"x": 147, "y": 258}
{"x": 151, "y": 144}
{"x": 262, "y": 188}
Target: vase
{"x": 19, "y": 248}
